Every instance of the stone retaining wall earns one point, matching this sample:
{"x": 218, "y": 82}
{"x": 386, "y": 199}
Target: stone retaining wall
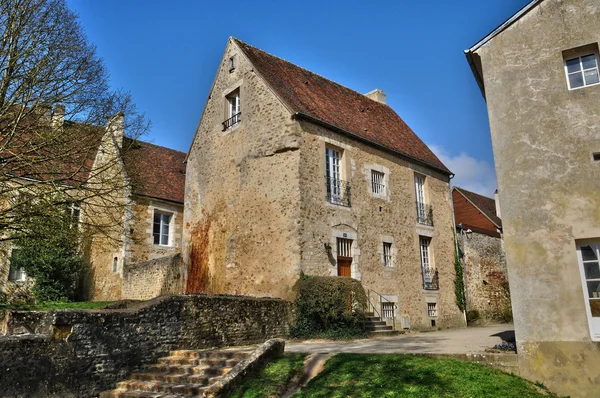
{"x": 153, "y": 278}
{"x": 81, "y": 353}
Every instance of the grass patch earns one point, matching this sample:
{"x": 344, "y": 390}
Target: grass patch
{"x": 75, "y": 305}
{"x": 374, "y": 376}
{"x": 272, "y": 379}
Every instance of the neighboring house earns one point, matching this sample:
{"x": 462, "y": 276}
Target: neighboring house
{"x": 479, "y": 234}
{"x": 292, "y": 173}
{"x": 150, "y": 181}
{"x": 539, "y": 75}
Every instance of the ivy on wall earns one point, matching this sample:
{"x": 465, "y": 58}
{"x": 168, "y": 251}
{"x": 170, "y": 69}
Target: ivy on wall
{"x": 459, "y": 282}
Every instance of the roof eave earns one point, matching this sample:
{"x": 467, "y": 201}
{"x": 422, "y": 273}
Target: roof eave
{"x": 330, "y": 126}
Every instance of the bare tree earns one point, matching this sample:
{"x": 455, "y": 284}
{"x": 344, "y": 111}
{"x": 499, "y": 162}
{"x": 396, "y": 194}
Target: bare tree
{"x": 55, "y": 104}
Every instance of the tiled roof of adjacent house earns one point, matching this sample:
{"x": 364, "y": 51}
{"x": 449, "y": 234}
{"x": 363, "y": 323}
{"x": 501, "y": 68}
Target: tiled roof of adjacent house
{"x": 311, "y": 95}
{"x": 483, "y": 203}
{"x": 155, "y": 171}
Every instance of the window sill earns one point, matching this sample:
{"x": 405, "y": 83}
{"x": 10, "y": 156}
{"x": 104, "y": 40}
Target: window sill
{"x": 231, "y": 129}
{"x": 337, "y": 206}
{"x": 164, "y": 246}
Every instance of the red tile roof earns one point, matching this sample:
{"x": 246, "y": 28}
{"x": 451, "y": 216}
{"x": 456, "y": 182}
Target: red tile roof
{"x": 483, "y": 203}
{"x": 309, "y": 94}
{"x": 155, "y": 171}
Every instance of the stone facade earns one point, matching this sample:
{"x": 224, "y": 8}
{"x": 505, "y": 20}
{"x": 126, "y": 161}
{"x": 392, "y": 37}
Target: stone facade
{"x": 81, "y": 353}
{"x": 257, "y": 215}
{"x": 153, "y": 278}
{"x": 544, "y": 136}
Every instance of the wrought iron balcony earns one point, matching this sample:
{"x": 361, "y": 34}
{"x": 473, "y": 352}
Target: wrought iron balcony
{"x": 424, "y": 214}
{"x": 231, "y": 121}
{"x": 431, "y": 280}
{"x": 338, "y": 192}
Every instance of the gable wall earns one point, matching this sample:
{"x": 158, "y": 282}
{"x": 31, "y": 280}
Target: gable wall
{"x": 242, "y": 192}
{"x": 543, "y": 137}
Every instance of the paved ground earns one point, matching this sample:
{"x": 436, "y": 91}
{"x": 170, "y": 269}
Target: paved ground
{"x": 454, "y": 341}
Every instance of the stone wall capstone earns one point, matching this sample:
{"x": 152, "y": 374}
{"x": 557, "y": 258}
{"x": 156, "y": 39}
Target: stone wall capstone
{"x": 84, "y": 352}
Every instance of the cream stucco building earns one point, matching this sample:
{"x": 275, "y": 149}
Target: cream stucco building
{"x": 290, "y": 172}
{"x": 539, "y": 75}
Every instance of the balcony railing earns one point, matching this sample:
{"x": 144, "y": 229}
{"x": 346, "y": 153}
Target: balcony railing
{"x": 231, "y": 121}
{"x": 338, "y": 192}
{"x": 424, "y": 214}
{"x": 431, "y": 279}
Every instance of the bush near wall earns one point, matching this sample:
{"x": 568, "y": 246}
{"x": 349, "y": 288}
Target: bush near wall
{"x": 329, "y": 306}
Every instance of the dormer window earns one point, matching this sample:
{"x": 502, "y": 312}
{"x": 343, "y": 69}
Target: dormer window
{"x": 234, "y": 109}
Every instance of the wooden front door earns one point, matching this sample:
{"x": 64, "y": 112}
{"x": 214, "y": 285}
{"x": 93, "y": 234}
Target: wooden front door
{"x": 344, "y": 265}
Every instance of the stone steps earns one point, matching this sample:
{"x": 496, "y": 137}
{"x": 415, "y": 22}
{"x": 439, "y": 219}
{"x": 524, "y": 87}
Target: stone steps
{"x": 375, "y": 327}
{"x": 184, "y": 373}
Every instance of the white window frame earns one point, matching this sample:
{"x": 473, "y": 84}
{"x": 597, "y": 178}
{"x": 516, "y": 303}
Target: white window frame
{"x": 378, "y": 186}
{"x": 384, "y": 312}
{"x": 17, "y": 275}
{"x": 432, "y": 311}
{"x": 233, "y": 101}
{"x": 170, "y": 228}
{"x": 593, "y": 322}
{"x": 388, "y": 257}
{"x": 333, "y": 168}
{"x": 581, "y": 69}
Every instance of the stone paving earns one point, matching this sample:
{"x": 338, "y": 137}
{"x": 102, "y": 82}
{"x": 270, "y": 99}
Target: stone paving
{"x": 451, "y": 341}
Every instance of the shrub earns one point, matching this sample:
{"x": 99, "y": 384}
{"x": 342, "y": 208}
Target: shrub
{"x": 329, "y": 306}
{"x": 472, "y": 316}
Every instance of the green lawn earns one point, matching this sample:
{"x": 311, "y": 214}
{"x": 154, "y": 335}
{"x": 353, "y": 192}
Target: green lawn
{"x": 361, "y": 375}
{"x": 82, "y": 305}
{"x": 375, "y": 376}
{"x": 272, "y": 379}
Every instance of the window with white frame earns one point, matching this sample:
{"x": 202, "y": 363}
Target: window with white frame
{"x": 588, "y": 255}
{"x": 429, "y": 273}
{"x": 234, "y": 109}
{"x": 16, "y": 274}
{"x": 582, "y": 71}
{"x": 338, "y": 191}
{"x": 162, "y": 228}
{"x": 387, "y": 309}
{"x": 387, "y": 254}
{"x": 377, "y": 182}
{"x": 432, "y": 309}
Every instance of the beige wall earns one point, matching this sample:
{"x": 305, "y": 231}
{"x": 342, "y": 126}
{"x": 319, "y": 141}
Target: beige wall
{"x": 372, "y": 220}
{"x": 256, "y": 212}
{"x": 242, "y": 191}
{"x": 543, "y": 137}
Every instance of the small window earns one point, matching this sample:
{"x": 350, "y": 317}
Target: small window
{"x": 232, "y": 63}
{"x": 432, "y": 310}
{"x": 387, "y": 254}
{"x": 596, "y": 156}
{"x": 387, "y": 309}
{"x": 582, "y": 71}
{"x": 162, "y": 223}
{"x": 377, "y": 182}
{"x": 234, "y": 110}
{"x": 115, "y": 264}
{"x": 16, "y": 274}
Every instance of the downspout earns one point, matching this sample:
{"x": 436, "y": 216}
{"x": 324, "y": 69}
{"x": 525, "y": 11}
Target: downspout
{"x": 456, "y": 245}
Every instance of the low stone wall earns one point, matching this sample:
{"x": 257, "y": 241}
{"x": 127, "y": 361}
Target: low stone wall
{"x": 153, "y": 278}
{"x": 82, "y": 353}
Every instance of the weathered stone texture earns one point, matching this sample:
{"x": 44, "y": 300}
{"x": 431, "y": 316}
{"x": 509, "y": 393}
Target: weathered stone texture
{"x": 543, "y": 136}
{"x": 487, "y": 280}
{"x": 85, "y": 352}
{"x": 256, "y": 211}
{"x": 153, "y": 278}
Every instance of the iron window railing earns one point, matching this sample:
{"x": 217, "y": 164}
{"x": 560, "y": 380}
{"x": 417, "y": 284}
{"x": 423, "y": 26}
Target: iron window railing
{"x": 387, "y": 309}
{"x": 432, "y": 309}
{"x": 231, "y": 121}
{"x": 424, "y": 214}
{"x": 431, "y": 279}
{"x": 338, "y": 192}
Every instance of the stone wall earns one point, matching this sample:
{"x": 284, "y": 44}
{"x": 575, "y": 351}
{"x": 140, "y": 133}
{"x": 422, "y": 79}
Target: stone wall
{"x": 149, "y": 279}
{"x": 84, "y": 352}
{"x": 544, "y": 136}
{"x": 487, "y": 279}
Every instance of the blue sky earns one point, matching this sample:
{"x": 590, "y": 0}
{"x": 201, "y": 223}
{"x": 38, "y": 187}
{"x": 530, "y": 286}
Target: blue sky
{"x": 167, "y": 53}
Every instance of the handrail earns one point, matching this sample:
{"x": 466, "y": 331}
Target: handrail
{"x": 372, "y": 306}
{"x": 381, "y": 296}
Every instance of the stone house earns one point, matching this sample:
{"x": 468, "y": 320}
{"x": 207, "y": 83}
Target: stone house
{"x": 479, "y": 236}
{"x": 539, "y": 75}
{"x": 148, "y": 225}
{"x": 292, "y": 173}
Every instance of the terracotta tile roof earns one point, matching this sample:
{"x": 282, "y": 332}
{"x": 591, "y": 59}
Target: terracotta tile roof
{"x": 317, "y": 97}
{"x": 155, "y": 171}
{"x": 483, "y": 203}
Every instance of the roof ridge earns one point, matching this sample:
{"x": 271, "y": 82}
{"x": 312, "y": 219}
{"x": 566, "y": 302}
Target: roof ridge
{"x": 475, "y": 193}
{"x": 309, "y": 71}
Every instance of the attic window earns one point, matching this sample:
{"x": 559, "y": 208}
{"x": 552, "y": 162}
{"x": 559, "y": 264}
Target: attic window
{"x": 581, "y": 66}
{"x": 232, "y": 63}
